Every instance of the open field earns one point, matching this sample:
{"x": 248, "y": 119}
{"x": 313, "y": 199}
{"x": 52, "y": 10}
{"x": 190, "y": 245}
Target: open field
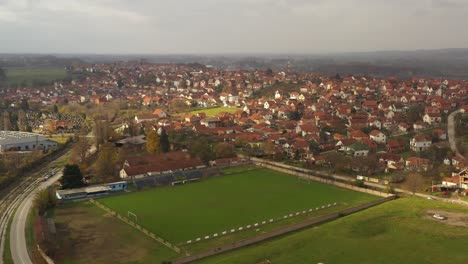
{"x": 394, "y": 232}
{"x": 210, "y": 112}
{"x": 214, "y": 205}
{"x": 86, "y": 234}
{"x": 34, "y": 76}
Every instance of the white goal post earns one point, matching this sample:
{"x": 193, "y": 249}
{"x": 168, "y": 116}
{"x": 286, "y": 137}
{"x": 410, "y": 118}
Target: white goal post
{"x": 132, "y": 214}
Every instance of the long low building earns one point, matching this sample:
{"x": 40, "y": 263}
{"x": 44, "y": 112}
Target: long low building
{"x": 24, "y": 141}
{"x": 91, "y": 191}
{"x": 158, "y": 164}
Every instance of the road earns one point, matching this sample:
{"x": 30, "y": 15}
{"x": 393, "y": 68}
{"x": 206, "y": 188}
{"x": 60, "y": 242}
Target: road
{"x": 15, "y": 196}
{"x": 19, "y": 248}
{"x": 451, "y": 133}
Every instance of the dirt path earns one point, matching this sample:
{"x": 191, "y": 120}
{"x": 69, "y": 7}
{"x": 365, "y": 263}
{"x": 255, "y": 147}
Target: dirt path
{"x": 453, "y": 218}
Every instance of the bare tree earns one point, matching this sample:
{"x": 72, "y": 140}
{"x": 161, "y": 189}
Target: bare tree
{"x": 414, "y": 182}
{"x": 80, "y": 151}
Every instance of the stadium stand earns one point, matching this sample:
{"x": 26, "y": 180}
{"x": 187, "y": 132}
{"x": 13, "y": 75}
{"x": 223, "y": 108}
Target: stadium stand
{"x": 145, "y": 183}
{"x": 189, "y": 175}
{"x": 165, "y": 179}
{"x": 179, "y": 175}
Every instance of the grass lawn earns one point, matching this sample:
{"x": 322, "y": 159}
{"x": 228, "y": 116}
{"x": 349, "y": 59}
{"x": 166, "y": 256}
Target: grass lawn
{"x": 181, "y": 213}
{"x": 86, "y": 234}
{"x": 396, "y": 232}
{"x": 29, "y": 76}
{"x": 210, "y": 112}
{"x": 60, "y": 139}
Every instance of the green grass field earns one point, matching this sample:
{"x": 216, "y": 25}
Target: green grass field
{"x": 395, "y": 232}
{"x": 34, "y": 76}
{"x": 210, "y": 112}
{"x": 181, "y": 213}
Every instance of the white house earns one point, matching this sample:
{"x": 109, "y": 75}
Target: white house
{"x": 420, "y": 143}
{"x": 432, "y": 118}
{"x": 378, "y": 137}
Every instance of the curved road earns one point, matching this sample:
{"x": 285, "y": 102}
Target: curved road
{"x": 15, "y": 205}
{"x": 19, "y": 249}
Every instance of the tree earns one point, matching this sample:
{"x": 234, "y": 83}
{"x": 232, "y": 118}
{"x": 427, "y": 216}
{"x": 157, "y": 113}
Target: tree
{"x": 339, "y": 162}
{"x": 224, "y": 150}
{"x": 72, "y": 177}
{"x": 101, "y": 131}
{"x": 106, "y": 164}
{"x": 294, "y": 115}
{"x": 80, "y": 150}
{"x": 45, "y": 200}
{"x": 269, "y": 72}
{"x": 22, "y": 121}
{"x": 314, "y": 146}
{"x": 6, "y": 121}
{"x": 120, "y": 83}
{"x": 414, "y": 182}
{"x": 268, "y": 148}
{"x": 2, "y": 74}
{"x": 24, "y": 104}
{"x": 3, "y": 77}
{"x": 164, "y": 141}
{"x": 366, "y": 165}
{"x": 201, "y": 149}
{"x": 413, "y": 114}
{"x": 152, "y": 142}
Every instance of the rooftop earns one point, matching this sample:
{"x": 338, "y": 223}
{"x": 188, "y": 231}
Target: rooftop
{"x": 16, "y": 135}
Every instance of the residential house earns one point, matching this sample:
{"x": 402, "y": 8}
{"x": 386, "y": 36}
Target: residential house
{"x": 359, "y": 149}
{"x": 378, "y": 136}
{"x": 420, "y": 143}
{"x": 418, "y": 164}
{"x": 396, "y": 145}
{"x": 160, "y": 113}
{"x": 210, "y": 122}
{"x": 432, "y": 118}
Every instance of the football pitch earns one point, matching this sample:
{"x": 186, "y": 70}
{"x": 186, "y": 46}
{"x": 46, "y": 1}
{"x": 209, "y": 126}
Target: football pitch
{"x": 185, "y": 212}
{"x": 213, "y": 111}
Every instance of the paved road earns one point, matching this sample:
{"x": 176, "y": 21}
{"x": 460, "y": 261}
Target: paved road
{"x": 17, "y": 196}
{"x": 19, "y": 249}
{"x": 451, "y": 133}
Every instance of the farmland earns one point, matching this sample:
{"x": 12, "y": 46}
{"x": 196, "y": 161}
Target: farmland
{"x": 395, "y": 232}
{"x": 186, "y": 212}
{"x": 34, "y": 76}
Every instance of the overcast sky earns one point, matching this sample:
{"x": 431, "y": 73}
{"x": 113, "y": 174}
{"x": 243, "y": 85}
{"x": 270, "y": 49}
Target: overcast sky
{"x": 230, "y": 26}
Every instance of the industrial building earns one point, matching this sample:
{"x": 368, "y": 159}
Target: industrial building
{"x": 23, "y": 141}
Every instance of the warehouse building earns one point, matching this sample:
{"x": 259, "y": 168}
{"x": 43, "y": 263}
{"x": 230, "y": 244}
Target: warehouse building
{"x": 23, "y": 141}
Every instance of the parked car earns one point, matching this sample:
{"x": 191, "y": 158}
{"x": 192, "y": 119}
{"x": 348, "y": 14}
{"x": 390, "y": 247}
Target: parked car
{"x": 439, "y": 217}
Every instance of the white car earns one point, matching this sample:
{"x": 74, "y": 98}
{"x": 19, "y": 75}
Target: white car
{"x": 439, "y": 217}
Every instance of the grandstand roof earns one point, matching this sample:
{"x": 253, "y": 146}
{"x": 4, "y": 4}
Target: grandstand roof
{"x": 160, "y": 163}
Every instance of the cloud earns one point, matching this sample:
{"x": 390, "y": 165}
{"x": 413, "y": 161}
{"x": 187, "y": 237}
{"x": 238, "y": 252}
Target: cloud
{"x": 230, "y": 26}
